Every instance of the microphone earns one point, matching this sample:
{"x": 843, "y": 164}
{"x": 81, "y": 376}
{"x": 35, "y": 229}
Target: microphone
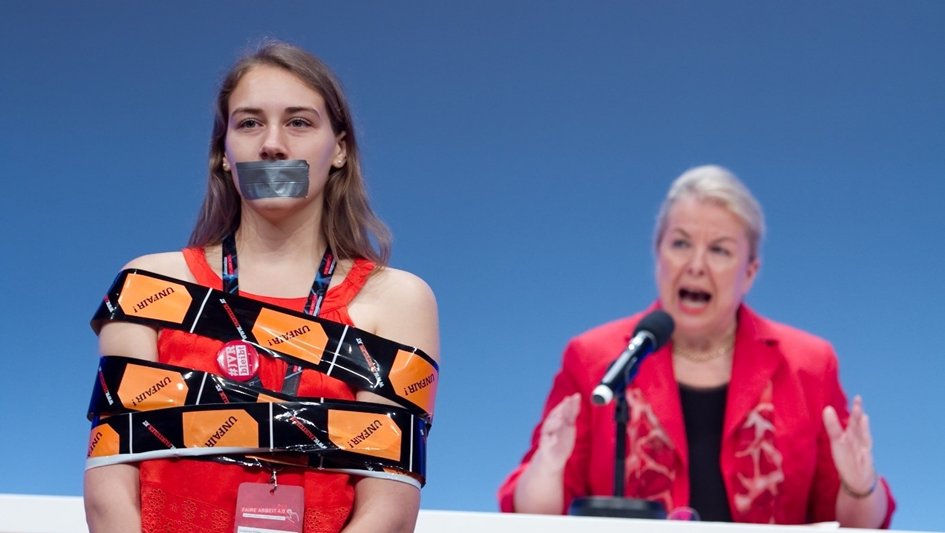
{"x": 652, "y": 332}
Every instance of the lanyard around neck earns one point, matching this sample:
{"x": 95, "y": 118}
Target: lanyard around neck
{"x": 316, "y": 295}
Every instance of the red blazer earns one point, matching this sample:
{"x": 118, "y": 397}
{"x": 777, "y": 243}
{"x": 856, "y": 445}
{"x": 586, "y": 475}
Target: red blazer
{"x": 775, "y": 460}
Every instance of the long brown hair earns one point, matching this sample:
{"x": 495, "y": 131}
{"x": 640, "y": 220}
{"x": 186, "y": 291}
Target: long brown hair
{"x": 349, "y": 224}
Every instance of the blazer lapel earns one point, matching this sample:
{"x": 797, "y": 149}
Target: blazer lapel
{"x": 756, "y": 360}
{"x": 658, "y": 385}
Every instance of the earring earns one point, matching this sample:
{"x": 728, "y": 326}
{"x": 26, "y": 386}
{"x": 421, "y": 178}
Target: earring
{"x": 340, "y": 162}
{"x": 226, "y": 166}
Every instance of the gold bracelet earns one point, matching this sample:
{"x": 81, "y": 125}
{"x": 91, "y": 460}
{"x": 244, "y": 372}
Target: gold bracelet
{"x": 860, "y": 495}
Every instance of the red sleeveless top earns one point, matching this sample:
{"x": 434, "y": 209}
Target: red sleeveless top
{"x": 199, "y": 495}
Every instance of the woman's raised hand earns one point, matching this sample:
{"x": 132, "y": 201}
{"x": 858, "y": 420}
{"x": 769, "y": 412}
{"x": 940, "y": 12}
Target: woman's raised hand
{"x": 852, "y": 448}
{"x": 558, "y": 432}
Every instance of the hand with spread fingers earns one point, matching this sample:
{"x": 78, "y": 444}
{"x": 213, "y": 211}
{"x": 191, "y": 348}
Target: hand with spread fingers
{"x": 852, "y": 450}
{"x": 540, "y": 488}
{"x": 558, "y": 432}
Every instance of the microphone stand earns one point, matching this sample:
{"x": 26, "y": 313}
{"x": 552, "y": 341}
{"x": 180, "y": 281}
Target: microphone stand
{"x": 618, "y": 506}
{"x": 621, "y": 417}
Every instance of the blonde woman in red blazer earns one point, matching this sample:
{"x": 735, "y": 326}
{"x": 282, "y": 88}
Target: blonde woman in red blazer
{"x": 738, "y": 416}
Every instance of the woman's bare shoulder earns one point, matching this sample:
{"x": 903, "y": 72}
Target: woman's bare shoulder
{"x": 403, "y": 309}
{"x": 400, "y": 285}
{"x": 167, "y": 263}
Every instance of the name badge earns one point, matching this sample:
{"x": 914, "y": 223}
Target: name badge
{"x": 267, "y": 508}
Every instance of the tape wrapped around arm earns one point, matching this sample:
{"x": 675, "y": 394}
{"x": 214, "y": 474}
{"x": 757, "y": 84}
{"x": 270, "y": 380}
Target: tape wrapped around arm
{"x": 364, "y": 361}
{"x": 143, "y": 410}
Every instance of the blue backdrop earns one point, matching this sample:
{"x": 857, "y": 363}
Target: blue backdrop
{"x": 519, "y": 151}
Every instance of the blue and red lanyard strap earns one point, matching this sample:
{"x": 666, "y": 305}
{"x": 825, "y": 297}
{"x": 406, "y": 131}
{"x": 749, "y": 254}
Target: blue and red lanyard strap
{"x": 316, "y": 296}
{"x": 313, "y": 304}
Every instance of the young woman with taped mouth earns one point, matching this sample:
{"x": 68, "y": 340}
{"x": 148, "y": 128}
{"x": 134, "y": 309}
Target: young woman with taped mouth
{"x": 738, "y": 417}
{"x": 287, "y": 197}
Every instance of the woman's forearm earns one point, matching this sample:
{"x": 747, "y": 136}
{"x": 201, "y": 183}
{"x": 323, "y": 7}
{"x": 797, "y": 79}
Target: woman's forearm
{"x": 540, "y": 488}
{"x": 868, "y": 512}
{"x": 112, "y": 503}
{"x": 384, "y": 506}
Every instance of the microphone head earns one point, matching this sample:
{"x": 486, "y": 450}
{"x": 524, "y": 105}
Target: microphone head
{"x": 658, "y": 324}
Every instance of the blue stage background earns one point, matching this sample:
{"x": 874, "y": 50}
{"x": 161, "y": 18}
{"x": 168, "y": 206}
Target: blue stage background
{"x": 519, "y": 151}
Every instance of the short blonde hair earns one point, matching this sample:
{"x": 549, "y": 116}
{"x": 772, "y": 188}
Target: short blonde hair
{"x": 712, "y": 183}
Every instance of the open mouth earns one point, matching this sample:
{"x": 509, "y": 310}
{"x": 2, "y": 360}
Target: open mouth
{"x": 694, "y": 297}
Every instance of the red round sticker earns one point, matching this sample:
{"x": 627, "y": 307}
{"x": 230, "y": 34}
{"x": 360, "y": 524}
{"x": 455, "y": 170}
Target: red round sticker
{"x": 238, "y": 360}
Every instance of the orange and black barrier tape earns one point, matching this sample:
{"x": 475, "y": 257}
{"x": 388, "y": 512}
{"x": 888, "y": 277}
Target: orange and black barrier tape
{"x": 144, "y": 410}
{"x": 363, "y": 360}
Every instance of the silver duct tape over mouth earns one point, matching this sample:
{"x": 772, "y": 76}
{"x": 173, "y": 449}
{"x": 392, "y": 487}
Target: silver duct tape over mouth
{"x": 273, "y": 179}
